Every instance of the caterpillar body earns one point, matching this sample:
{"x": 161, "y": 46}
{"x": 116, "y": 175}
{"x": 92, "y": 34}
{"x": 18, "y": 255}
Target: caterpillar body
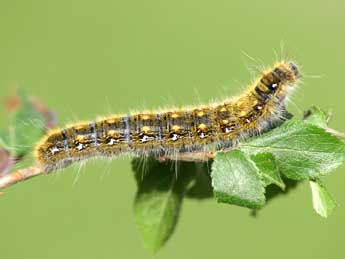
{"x": 219, "y": 125}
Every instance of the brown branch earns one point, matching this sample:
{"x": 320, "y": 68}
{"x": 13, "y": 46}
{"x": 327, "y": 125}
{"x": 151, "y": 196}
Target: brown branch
{"x": 20, "y": 175}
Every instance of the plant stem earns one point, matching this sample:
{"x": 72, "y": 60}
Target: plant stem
{"x": 20, "y": 175}
{"x": 336, "y": 133}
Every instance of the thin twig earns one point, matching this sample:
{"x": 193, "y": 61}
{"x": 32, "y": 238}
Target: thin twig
{"x": 196, "y": 156}
{"x": 336, "y": 133}
{"x": 190, "y": 157}
{"x": 20, "y": 175}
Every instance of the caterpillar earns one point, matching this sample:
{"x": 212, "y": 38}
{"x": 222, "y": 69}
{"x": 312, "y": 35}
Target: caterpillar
{"x": 157, "y": 133}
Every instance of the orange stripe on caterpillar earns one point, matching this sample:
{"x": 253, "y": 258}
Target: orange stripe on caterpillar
{"x": 183, "y": 130}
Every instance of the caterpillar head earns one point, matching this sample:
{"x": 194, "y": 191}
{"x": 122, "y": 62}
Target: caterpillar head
{"x": 287, "y": 72}
{"x": 284, "y": 78}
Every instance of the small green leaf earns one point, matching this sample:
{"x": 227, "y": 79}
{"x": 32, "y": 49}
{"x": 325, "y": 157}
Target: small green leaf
{"x": 316, "y": 116}
{"x": 268, "y": 168}
{"x": 302, "y": 150}
{"x": 323, "y": 202}
{"x": 157, "y": 205}
{"x": 236, "y": 180}
{"x": 27, "y": 127}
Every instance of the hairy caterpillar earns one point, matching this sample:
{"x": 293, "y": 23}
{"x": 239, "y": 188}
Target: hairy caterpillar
{"x": 184, "y": 130}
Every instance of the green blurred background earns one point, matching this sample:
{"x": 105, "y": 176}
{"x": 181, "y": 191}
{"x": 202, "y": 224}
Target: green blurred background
{"x": 91, "y": 58}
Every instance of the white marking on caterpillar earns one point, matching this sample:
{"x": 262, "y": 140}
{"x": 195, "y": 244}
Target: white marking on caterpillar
{"x": 54, "y": 150}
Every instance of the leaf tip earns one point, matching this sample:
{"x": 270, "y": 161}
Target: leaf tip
{"x": 323, "y": 202}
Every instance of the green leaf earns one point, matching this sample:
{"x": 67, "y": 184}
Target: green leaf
{"x": 302, "y": 150}
{"x": 236, "y": 180}
{"x": 157, "y": 205}
{"x": 268, "y": 168}
{"x": 323, "y": 202}
{"x": 27, "y": 127}
{"x": 317, "y": 116}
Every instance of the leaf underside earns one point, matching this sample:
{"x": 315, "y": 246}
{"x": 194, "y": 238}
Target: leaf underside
{"x": 159, "y": 197}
